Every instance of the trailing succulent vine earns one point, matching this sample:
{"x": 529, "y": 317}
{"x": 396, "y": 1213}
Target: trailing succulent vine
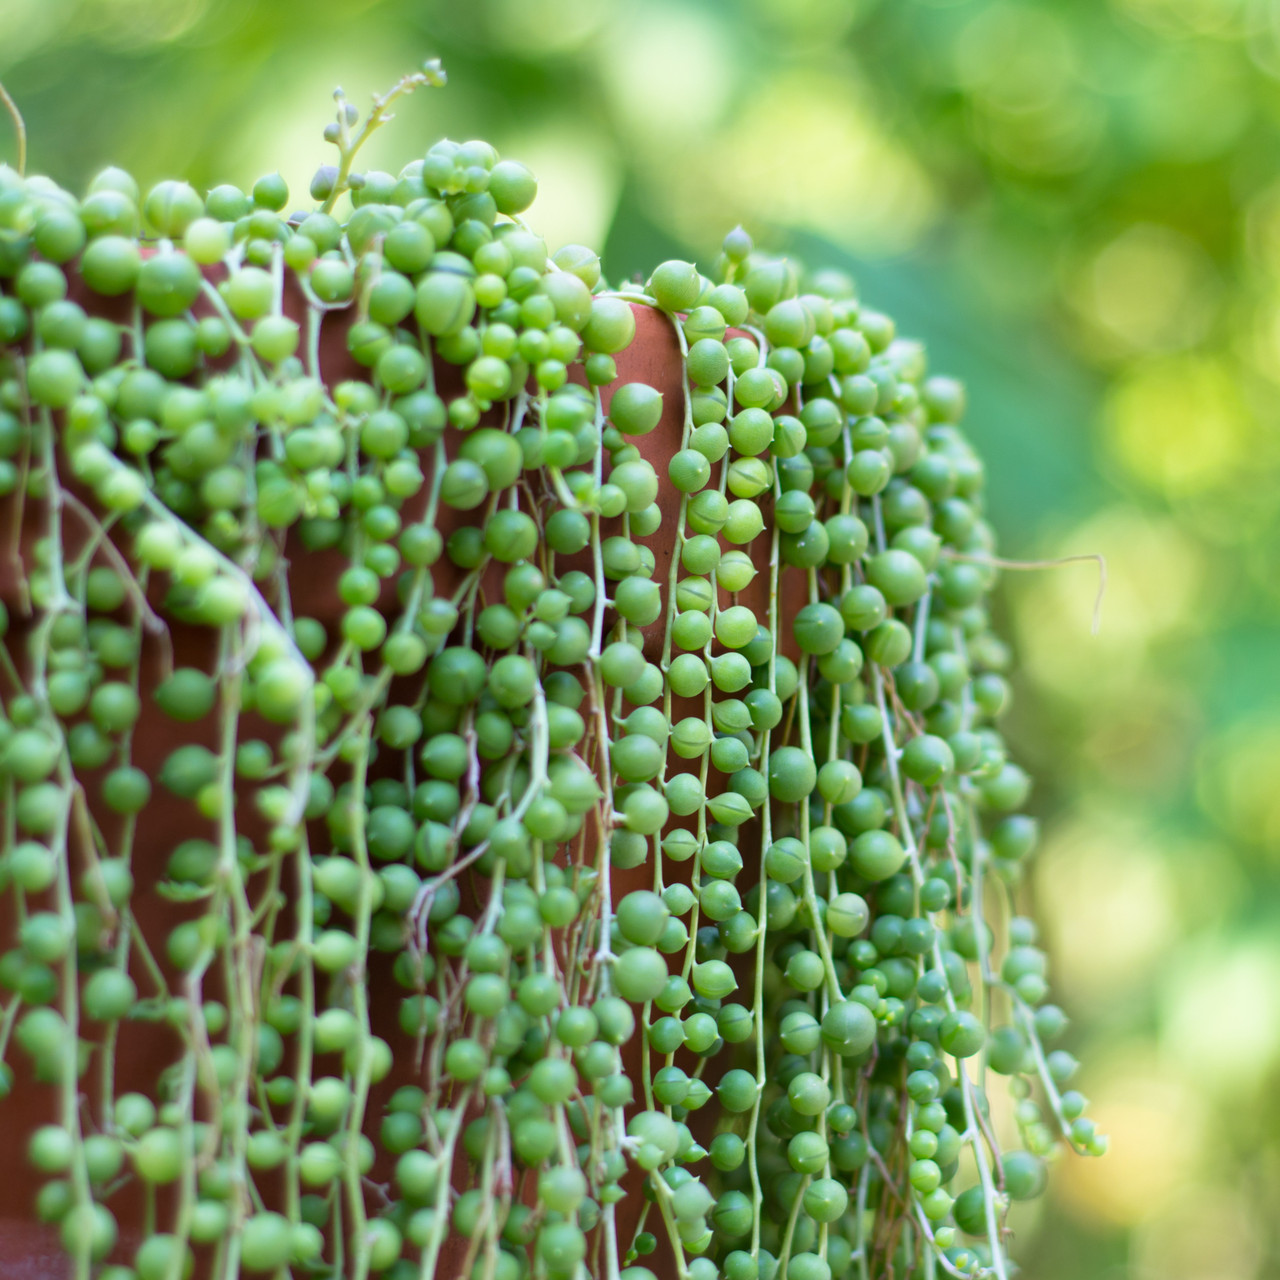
{"x": 651, "y": 778}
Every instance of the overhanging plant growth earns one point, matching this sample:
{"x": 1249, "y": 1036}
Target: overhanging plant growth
{"x": 499, "y": 774}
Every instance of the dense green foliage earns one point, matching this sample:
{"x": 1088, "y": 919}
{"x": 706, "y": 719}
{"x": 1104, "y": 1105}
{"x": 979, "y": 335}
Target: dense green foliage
{"x": 827, "y": 971}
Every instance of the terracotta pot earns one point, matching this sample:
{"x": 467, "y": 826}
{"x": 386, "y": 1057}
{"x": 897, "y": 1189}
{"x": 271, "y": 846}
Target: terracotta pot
{"x": 30, "y": 1249}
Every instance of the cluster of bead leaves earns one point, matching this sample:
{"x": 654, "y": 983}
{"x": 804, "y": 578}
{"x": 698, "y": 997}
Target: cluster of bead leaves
{"x": 826, "y": 970}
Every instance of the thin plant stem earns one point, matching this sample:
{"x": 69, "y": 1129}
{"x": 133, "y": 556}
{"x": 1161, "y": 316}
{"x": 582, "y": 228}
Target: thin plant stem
{"x": 19, "y": 129}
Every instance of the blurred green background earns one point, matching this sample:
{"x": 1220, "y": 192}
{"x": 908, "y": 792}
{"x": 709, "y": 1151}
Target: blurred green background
{"x": 1077, "y": 205}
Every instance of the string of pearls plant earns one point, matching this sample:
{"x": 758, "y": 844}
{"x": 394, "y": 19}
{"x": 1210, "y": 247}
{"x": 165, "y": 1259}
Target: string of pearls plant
{"x": 774, "y": 1060}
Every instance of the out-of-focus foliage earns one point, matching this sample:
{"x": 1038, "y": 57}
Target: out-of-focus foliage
{"x": 1077, "y": 203}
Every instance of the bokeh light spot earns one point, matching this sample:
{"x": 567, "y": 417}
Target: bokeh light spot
{"x": 1237, "y": 782}
{"x": 1154, "y": 577}
{"x": 26, "y": 24}
{"x": 1110, "y": 903}
{"x": 1190, "y": 17}
{"x": 667, "y": 72}
{"x": 1149, "y": 289}
{"x": 776, "y": 158}
{"x": 130, "y": 23}
{"x": 1218, "y": 1027}
{"x": 1180, "y": 425}
{"x": 1156, "y": 1126}
{"x": 578, "y": 185}
{"x": 1206, "y": 1233}
{"x": 547, "y": 26}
